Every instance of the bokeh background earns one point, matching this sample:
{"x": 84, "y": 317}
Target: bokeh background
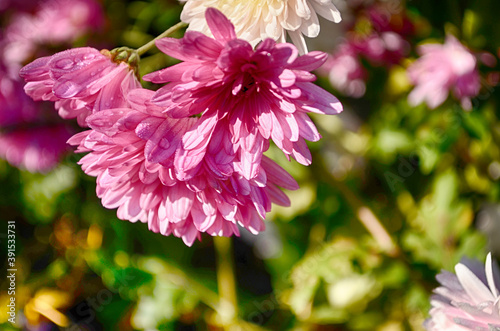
{"x": 395, "y": 193}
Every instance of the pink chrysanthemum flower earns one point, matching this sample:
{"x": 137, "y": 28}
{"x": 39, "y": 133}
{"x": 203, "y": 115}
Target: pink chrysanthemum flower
{"x": 132, "y": 153}
{"x": 469, "y": 300}
{"x": 442, "y": 68}
{"x": 81, "y": 81}
{"x": 254, "y": 95}
{"x": 257, "y": 20}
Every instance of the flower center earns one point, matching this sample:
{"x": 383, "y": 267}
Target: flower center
{"x": 250, "y": 82}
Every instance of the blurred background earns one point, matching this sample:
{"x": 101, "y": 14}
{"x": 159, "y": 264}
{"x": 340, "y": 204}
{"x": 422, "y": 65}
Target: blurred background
{"x": 398, "y": 190}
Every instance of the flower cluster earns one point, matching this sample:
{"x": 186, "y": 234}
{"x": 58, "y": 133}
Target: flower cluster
{"x": 383, "y": 44}
{"x": 189, "y": 158}
{"x": 467, "y": 300}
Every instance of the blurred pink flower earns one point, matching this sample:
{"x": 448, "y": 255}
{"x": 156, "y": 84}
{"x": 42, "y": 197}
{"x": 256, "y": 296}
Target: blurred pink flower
{"x": 54, "y": 22}
{"x": 345, "y": 72}
{"x": 34, "y": 148}
{"x": 30, "y": 137}
{"x": 132, "y": 153}
{"x": 442, "y": 68}
{"x": 80, "y": 80}
{"x": 253, "y": 95}
{"x": 385, "y": 18}
{"x": 15, "y": 106}
{"x": 382, "y": 49}
{"x": 469, "y": 300}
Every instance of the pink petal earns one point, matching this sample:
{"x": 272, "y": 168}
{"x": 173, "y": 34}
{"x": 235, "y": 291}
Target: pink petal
{"x": 220, "y": 26}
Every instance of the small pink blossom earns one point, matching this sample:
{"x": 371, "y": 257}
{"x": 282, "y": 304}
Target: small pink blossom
{"x": 249, "y": 95}
{"x": 469, "y": 300}
{"x": 345, "y": 72}
{"x": 444, "y": 68}
{"x": 132, "y": 153}
{"x": 81, "y": 81}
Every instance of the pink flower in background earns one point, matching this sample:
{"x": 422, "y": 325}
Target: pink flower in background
{"x": 31, "y": 137}
{"x": 444, "y": 68}
{"x": 469, "y": 300}
{"x": 18, "y": 5}
{"x": 384, "y": 18}
{"x": 15, "y": 106}
{"x": 258, "y": 20}
{"x": 132, "y": 153}
{"x": 80, "y": 80}
{"x": 250, "y": 96}
{"x": 345, "y": 72}
{"x": 382, "y": 49}
{"x": 34, "y": 148}
{"x": 54, "y": 22}
{"x": 379, "y": 38}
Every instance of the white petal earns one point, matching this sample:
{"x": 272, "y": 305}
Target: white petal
{"x": 491, "y": 274}
{"x": 477, "y": 291}
{"x": 328, "y": 11}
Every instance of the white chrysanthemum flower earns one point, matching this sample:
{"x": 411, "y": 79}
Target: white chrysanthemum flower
{"x": 469, "y": 300}
{"x": 256, "y": 20}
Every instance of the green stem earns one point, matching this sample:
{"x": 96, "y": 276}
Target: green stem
{"x": 143, "y": 49}
{"x": 228, "y": 303}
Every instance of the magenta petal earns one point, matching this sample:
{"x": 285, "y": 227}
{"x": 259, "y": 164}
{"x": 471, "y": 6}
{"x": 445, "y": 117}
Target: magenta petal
{"x": 199, "y": 134}
{"x": 301, "y": 152}
{"x": 220, "y": 26}
{"x": 277, "y": 196}
{"x": 172, "y": 47}
{"x": 321, "y": 101}
{"x": 106, "y": 120}
{"x": 278, "y": 175}
{"x": 310, "y": 61}
{"x": 306, "y": 127}
{"x": 35, "y": 70}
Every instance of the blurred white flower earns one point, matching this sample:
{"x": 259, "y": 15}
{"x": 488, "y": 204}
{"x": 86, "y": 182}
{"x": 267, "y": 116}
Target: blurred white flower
{"x": 469, "y": 300}
{"x": 256, "y": 20}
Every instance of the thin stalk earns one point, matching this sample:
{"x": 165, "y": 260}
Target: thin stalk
{"x": 228, "y": 303}
{"x": 143, "y": 49}
{"x": 364, "y": 214}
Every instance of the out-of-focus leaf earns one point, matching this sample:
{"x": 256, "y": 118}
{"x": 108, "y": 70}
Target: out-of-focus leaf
{"x": 41, "y": 192}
